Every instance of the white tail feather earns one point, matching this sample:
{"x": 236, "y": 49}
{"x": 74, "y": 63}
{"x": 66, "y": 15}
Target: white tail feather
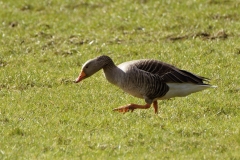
{"x": 184, "y": 89}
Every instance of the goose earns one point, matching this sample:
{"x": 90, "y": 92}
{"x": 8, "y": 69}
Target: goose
{"x": 147, "y": 79}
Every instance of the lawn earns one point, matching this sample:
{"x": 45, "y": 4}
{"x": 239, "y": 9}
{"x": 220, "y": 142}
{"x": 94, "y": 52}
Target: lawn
{"x": 44, "y": 115}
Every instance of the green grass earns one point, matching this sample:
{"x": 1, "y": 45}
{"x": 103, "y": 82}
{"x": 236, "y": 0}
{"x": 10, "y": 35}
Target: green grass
{"x": 43, "y": 44}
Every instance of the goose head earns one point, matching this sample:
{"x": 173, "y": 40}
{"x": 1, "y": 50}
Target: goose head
{"x": 88, "y": 69}
{"x": 92, "y": 66}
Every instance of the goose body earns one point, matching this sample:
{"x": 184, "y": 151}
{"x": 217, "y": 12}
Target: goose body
{"x": 148, "y": 79}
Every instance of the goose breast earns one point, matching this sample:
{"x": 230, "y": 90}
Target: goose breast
{"x": 140, "y": 83}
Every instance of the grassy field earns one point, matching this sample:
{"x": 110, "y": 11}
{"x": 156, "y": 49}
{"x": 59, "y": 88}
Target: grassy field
{"x": 44, "y": 115}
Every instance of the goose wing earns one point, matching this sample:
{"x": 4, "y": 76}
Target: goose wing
{"x": 169, "y": 73}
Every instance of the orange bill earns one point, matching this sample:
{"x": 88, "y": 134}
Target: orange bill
{"x": 80, "y": 77}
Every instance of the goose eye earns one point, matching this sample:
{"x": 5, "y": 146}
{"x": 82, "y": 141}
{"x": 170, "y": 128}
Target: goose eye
{"x": 86, "y": 67}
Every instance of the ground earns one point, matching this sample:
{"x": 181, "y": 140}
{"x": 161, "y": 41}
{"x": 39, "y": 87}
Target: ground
{"x": 44, "y": 115}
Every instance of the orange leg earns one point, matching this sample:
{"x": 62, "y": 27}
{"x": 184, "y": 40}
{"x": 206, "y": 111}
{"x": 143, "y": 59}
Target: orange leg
{"x": 155, "y": 105}
{"x": 131, "y": 107}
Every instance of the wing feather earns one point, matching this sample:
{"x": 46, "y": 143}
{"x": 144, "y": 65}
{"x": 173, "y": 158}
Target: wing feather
{"x": 169, "y": 73}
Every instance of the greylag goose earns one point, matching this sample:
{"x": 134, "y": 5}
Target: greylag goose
{"x": 148, "y": 79}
